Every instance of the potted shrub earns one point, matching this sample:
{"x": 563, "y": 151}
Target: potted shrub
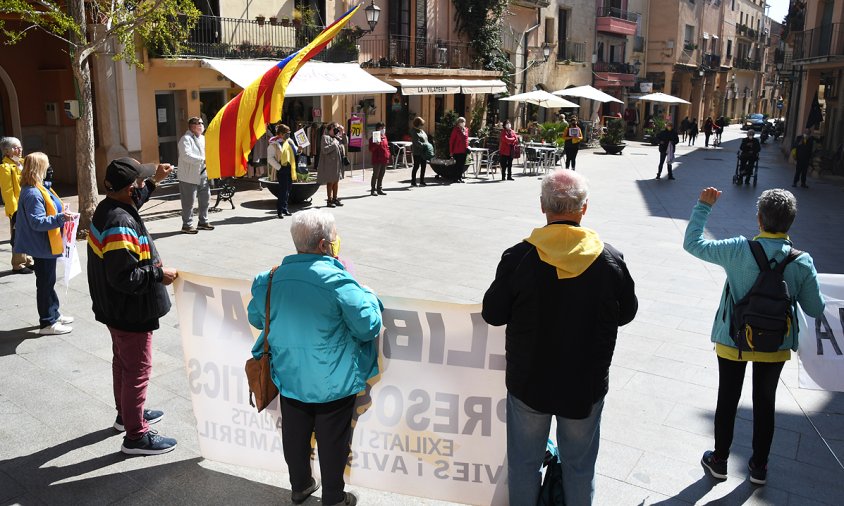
{"x": 443, "y": 165}
{"x": 302, "y": 190}
{"x": 613, "y": 141}
{"x": 273, "y": 20}
{"x": 285, "y": 21}
{"x": 260, "y": 19}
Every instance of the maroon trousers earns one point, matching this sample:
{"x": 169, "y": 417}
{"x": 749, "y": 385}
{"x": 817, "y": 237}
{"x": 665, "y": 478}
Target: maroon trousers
{"x": 131, "y": 368}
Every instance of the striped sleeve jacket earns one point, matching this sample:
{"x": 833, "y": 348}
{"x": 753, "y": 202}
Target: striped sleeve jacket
{"x": 124, "y": 270}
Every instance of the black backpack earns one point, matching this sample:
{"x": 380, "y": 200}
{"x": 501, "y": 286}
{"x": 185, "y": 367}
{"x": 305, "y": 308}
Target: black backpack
{"x": 762, "y": 318}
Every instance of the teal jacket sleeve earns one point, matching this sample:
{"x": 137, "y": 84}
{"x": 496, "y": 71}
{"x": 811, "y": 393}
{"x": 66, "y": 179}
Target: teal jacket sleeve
{"x": 809, "y": 297}
{"x": 361, "y": 310}
{"x": 719, "y": 252}
{"x": 256, "y": 309}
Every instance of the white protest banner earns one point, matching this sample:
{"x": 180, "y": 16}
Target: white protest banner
{"x": 821, "y": 348}
{"x": 430, "y": 425}
{"x": 70, "y": 256}
{"x": 301, "y": 138}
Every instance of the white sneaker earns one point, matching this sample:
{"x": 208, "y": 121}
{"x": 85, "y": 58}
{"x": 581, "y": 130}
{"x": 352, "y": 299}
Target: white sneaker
{"x": 65, "y": 320}
{"x": 55, "y": 329}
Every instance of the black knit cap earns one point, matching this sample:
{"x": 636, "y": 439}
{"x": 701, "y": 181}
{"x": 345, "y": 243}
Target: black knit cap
{"x": 122, "y": 172}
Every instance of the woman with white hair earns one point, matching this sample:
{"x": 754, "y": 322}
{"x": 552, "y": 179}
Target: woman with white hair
{"x": 10, "y": 185}
{"x": 39, "y": 222}
{"x": 322, "y": 342}
{"x": 458, "y": 146}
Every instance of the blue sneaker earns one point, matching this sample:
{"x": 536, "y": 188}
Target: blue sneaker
{"x": 149, "y": 444}
{"x": 716, "y": 467}
{"x": 150, "y": 415}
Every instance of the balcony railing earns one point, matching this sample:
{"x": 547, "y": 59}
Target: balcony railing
{"x": 572, "y": 51}
{"x": 826, "y": 40}
{"x": 747, "y": 64}
{"x": 614, "y": 12}
{"x": 218, "y": 37}
{"x": 399, "y": 51}
{"x": 615, "y": 67}
{"x": 712, "y": 61}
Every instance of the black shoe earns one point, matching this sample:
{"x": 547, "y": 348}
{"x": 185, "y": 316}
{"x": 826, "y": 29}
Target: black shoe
{"x": 287, "y": 213}
{"x": 510, "y": 178}
{"x": 657, "y": 176}
{"x": 338, "y": 203}
{"x": 372, "y": 193}
{"x": 150, "y": 415}
{"x": 350, "y": 500}
{"x": 330, "y": 203}
{"x": 300, "y": 497}
{"x": 671, "y": 177}
{"x": 149, "y": 444}
{"x": 422, "y": 184}
{"x": 281, "y": 216}
{"x": 716, "y": 467}
{"x": 413, "y": 183}
{"x": 758, "y": 475}
{"x": 380, "y": 192}
{"x": 27, "y": 270}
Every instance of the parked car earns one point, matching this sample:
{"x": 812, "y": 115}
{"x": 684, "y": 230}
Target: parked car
{"x": 755, "y": 121}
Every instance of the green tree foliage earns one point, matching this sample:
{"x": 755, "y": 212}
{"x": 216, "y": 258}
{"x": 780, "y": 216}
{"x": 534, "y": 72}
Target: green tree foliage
{"x": 480, "y": 20}
{"x": 442, "y": 134}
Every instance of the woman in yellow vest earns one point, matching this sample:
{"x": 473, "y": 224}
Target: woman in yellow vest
{"x": 38, "y": 233}
{"x": 10, "y": 185}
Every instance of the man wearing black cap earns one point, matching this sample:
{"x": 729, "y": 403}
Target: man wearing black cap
{"x": 127, "y": 284}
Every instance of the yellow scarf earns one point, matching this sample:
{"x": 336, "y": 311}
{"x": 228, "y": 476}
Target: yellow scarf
{"x": 55, "y": 235}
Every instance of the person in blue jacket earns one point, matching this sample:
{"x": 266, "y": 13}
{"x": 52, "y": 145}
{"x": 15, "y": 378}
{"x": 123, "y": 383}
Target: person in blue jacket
{"x": 776, "y": 210}
{"x": 38, "y": 233}
{"x": 323, "y": 326}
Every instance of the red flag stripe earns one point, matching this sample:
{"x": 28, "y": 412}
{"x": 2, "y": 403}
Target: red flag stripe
{"x": 228, "y": 137}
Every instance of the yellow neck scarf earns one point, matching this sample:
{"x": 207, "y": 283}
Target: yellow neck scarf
{"x": 55, "y": 235}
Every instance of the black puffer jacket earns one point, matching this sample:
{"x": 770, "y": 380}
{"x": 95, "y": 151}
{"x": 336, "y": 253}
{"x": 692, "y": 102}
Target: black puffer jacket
{"x": 561, "y": 333}
{"x": 124, "y": 269}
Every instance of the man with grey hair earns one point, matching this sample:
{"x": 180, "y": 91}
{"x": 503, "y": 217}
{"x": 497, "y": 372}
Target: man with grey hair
{"x": 193, "y": 178}
{"x": 776, "y": 210}
{"x": 562, "y": 293}
{"x": 323, "y": 326}
{"x": 10, "y": 186}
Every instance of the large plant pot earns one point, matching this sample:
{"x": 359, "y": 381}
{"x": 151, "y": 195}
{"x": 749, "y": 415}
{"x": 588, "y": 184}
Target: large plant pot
{"x": 300, "y": 193}
{"x": 613, "y": 149}
{"x": 447, "y": 169}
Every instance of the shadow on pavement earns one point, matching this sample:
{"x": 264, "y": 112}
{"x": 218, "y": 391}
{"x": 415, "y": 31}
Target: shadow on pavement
{"x": 56, "y": 475}
{"x": 10, "y": 339}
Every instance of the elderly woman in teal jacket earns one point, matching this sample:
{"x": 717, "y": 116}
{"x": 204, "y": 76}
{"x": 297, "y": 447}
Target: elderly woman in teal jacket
{"x": 776, "y": 210}
{"x": 323, "y": 326}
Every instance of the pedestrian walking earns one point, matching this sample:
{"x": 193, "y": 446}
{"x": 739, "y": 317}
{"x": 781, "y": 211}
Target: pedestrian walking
{"x": 10, "y": 187}
{"x": 193, "y": 178}
{"x": 38, "y": 234}
{"x": 127, "y": 280}
{"x": 684, "y": 128}
{"x": 776, "y": 210}
{"x": 708, "y": 128}
{"x": 693, "y": 131}
{"x": 507, "y": 144}
{"x": 803, "y": 148}
{"x": 380, "y": 154}
{"x": 667, "y": 140}
{"x": 324, "y": 350}
{"x": 572, "y": 135}
{"x": 562, "y": 293}
{"x": 421, "y": 149}
{"x": 458, "y": 147}
{"x": 281, "y": 157}
{"x": 330, "y": 163}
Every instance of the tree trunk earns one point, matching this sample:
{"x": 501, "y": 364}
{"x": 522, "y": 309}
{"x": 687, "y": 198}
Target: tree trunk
{"x": 86, "y": 172}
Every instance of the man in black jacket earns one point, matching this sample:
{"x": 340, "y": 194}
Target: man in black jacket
{"x": 748, "y": 156}
{"x": 562, "y": 294}
{"x": 803, "y": 148}
{"x": 127, "y": 284}
{"x": 668, "y": 140}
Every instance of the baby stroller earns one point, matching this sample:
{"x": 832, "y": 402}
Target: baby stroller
{"x": 753, "y": 170}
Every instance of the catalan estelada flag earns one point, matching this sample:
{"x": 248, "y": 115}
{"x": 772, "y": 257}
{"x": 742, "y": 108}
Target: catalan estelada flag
{"x": 237, "y": 126}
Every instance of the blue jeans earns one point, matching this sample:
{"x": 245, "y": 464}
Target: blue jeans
{"x": 577, "y": 441}
{"x": 45, "y": 293}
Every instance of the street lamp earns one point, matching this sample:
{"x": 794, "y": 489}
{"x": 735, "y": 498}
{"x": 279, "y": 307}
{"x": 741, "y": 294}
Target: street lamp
{"x": 546, "y": 51}
{"x": 373, "y": 13}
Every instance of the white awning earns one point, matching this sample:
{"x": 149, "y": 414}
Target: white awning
{"x": 450, "y": 86}
{"x": 314, "y": 79}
